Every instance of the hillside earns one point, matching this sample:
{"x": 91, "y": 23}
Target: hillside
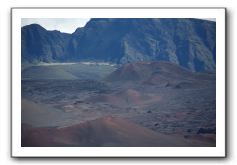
{"x": 158, "y": 73}
{"x": 102, "y": 132}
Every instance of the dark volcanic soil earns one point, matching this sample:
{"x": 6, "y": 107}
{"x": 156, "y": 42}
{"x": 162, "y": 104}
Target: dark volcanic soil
{"x": 154, "y": 103}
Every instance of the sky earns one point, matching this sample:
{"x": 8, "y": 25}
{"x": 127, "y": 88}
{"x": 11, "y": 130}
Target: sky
{"x": 67, "y": 25}
{"x": 210, "y": 19}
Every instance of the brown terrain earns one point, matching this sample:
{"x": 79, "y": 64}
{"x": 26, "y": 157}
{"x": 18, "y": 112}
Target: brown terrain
{"x": 103, "y": 132}
{"x": 139, "y": 104}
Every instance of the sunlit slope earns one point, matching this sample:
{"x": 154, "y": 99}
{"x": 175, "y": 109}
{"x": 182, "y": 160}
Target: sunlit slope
{"x": 67, "y": 72}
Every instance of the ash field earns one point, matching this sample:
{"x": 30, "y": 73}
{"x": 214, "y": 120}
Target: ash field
{"x": 157, "y": 104}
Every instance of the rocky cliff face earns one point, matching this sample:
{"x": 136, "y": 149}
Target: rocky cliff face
{"x": 190, "y": 43}
{"x": 38, "y": 44}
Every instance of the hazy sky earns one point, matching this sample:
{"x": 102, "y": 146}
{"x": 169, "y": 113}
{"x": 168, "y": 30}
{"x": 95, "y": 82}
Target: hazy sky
{"x": 67, "y": 25}
{"x": 210, "y": 19}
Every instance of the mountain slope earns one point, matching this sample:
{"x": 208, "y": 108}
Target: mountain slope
{"x": 190, "y": 43}
{"x": 40, "y": 45}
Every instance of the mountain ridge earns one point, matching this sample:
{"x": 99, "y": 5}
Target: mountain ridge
{"x": 190, "y": 43}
